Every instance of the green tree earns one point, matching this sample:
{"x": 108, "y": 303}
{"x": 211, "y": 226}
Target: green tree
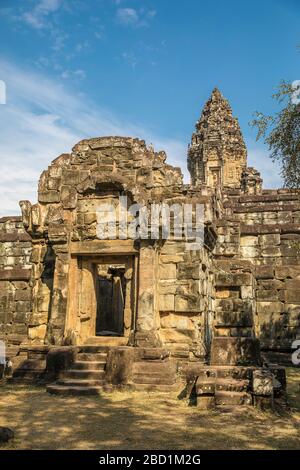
{"x": 281, "y": 132}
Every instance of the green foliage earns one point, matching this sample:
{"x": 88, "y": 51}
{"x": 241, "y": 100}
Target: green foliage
{"x": 281, "y": 133}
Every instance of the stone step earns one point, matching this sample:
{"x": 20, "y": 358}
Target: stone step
{"x": 107, "y": 341}
{"x": 29, "y": 370}
{"x": 31, "y": 364}
{"x": 79, "y": 382}
{"x": 233, "y": 398}
{"x": 220, "y": 372}
{"x": 74, "y": 390}
{"x": 155, "y": 387}
{"x": 154, "y": 379}
{"x": 89, "y": 365}
{"x": 28, "y": 377}
{"x": 231, "y": 385}
{"x": 93, "y": 349}
{"x": 149, "y": 367}
{"x": 84, "y": 374}
{"x": 222, "y": 385}
{"x": 101, "y": 356}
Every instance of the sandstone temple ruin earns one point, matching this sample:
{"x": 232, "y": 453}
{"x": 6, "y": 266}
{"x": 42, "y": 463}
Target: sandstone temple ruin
{"x": 82, "y": 313}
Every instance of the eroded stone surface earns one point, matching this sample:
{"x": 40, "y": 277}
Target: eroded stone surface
{"x": 241, "y": 286}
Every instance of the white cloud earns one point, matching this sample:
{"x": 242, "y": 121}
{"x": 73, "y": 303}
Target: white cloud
{"x": 133, "y": 17}
{"x": 37, "y": 17}
{"x": 41, "y": 120}
{"x": 127, "y": 16}
{"x": 80, "y": 74}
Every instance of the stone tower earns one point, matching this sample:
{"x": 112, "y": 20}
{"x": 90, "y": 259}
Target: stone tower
{"x": 217, "y": 155}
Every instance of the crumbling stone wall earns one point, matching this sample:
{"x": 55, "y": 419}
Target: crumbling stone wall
{"x": 263, "y": 232}
{"x": 186, "y": 292}
{"x": 243, "y": 283}
{"x": 15, "y": 289}
{"x": 174, "y": 286}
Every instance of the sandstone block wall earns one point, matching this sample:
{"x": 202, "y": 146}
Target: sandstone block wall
{"x": 186, "y": 292}
{"x": 15, "y": 289}
{"x": 264, "y": 232}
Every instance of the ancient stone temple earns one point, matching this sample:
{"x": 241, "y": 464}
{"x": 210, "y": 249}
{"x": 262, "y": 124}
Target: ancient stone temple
{"x": 81, "y": 311}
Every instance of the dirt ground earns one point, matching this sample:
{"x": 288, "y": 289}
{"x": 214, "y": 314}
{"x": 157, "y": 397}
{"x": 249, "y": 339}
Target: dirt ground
{"x": 139, "y": 420}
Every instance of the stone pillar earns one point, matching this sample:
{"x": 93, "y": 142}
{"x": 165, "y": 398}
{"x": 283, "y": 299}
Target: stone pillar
{"x": 56, "y": 325}
{"x": 147, "y": 322}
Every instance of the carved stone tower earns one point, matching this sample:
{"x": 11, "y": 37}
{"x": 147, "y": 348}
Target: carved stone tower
{"x": 217, "y": 155}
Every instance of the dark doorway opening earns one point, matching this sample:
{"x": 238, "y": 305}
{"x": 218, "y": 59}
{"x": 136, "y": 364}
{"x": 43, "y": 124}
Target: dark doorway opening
{"x": 111, "y": 289}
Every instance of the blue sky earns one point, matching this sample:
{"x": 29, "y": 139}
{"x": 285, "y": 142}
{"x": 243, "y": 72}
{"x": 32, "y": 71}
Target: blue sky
{"x": 76, "y": 69}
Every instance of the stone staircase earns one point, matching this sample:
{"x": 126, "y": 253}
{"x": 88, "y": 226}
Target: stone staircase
{"x": 157, "y": 375}
{"x": 86, "y": 376}
{"x": 224, "y": 386}
{"x": 29, "y": 365}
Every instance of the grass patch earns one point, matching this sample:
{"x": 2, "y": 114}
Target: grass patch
{"x": 139, "y": 420}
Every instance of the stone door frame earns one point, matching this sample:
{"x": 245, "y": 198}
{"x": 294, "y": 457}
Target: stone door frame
{"x": 82, "y": 302}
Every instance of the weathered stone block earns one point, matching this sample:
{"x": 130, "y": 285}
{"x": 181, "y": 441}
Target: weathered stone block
{"x": 271, "y": 251}
{"x": 235, "y": 351}
{"x": 176, "y": 321}
{"x": 267, "y": 294}
{"x": 49, "y": 197}
{"x": 175, "y": 335}
{"x": 167, "y": 271}
{"x": 223, "y": 294}
{"x": 226, "y": 305}
{"x": 35, "y": 319}
{"x": 119, "y": 368}
{"x": 269, "y": 307}
{"x": 287, "y": 272}
{"x": 264, "y": 272}
{"x": 247, "y": 292}
{"x": 60, "y": 359}
{"x": 292, "y": 296}
{"x": 37, "y": 332}
{"x": 271, "y": 239}
{"x": 292, "y": 284}
{"x": 24, "y": 295}
{"x": 167, "y": 302}
{"x": 262, "y": 382}
{"x": 23, "y": 306}
{"x": 187, "y": 303}
{"x": 71, "y": 177}
{"x": 53, "y": 183}
{"x": 249, "y": 252}
{"x": 233, "y": 280}
{"x": 167, "y": 287}
{"x": 249, "y": 241}
{"x": 274, "y": 284}
{"x": 233, "y": 319}
{"x": 68, "y": 197}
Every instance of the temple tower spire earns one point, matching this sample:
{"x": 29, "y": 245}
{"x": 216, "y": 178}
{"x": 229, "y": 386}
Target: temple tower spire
{"x": 217, "y": 155}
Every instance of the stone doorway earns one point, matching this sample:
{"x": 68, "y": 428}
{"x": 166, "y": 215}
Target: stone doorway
{"x": 102, "y": 297}
{"x": 111, "y": 298}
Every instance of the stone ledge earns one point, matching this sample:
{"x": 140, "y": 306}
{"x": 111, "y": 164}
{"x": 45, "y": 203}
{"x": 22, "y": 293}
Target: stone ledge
{"x": 13, "y": 218}
{"x": 14, "y": 237}
{"x": 15, "y": 274}
{"x": 270, "y": 228}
